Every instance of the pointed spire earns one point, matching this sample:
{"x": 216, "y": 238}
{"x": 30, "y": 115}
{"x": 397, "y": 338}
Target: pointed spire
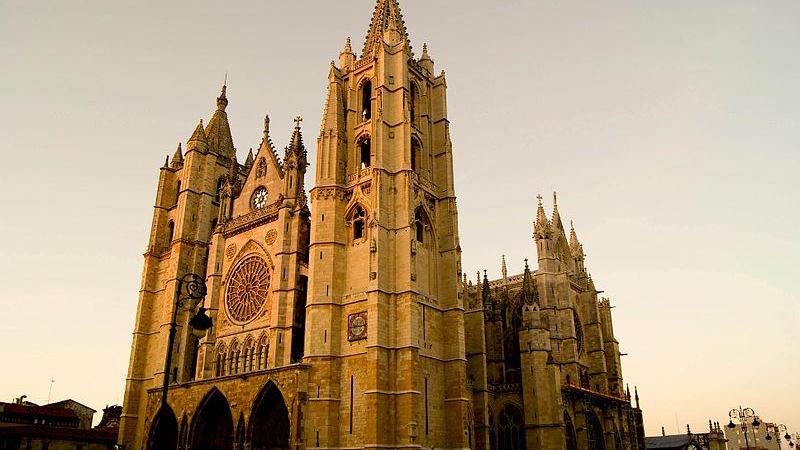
{"x": 386, "y": 17}
{"x": 628, "y": 391}
{"x": 556, "y": 216}
{"x": 529, "y": 292}
{"x": 166, "y": 163}
{"x": 177, "y": 158}
{"x": 425, "y": 60}
{"x": 218, "y": 131}
{"x": 199, "y": 133}
{"x": 541, "y": 227}
{"x": 249, "y": 161}
{"x": 347, "y": 57}
{"x": 636, "y": 395}
{"x": 503, "y": 268}
{"x": 297, "y": 136}
{"x": 485, "y": 293}
{"x": 222, "y": 100}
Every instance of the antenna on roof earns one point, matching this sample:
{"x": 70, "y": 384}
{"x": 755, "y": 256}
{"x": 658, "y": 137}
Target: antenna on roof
{"x": 50, "y": 391}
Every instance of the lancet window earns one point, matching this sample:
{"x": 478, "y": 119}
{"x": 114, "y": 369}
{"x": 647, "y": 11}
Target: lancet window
{"x": 359, "y": 222}
{"x": 365, "y": 153}
{"x": 366, "y": 100}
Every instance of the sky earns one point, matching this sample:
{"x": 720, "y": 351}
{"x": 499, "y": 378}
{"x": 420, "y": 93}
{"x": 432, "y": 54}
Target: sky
{"x": 671, "y": 131}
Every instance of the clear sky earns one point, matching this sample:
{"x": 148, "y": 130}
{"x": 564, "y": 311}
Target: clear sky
{"x": 671, "y": 131}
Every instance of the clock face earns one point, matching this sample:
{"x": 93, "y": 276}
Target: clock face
{"x": 259, "y": 198}
{"x": 358, "y": 326}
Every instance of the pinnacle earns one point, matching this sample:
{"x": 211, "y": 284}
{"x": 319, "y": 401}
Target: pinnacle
{"x": 199, "y": 133}
{"x": 297, "y": 136}
{"x": 177, "y": 158}
{"x": 348, "y": 48}
{"x": 222, "y": 100}
{"x": 425, "y": 52}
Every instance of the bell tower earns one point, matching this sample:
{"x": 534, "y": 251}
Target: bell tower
{"x": 385, "y": 316}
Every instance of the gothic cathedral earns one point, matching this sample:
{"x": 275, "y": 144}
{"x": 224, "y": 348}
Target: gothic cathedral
{"x": 346, "y": 322}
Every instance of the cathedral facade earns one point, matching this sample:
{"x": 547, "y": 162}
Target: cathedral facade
{"x": 342, "y": 317}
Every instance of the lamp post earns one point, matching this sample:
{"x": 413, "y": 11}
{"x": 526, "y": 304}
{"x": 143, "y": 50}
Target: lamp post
{"x": 778, "y": 429}
{"x": 190, "y": 287}
{"x": 743, "y": 415}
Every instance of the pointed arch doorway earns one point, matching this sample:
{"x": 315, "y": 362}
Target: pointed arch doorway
{"x": 269, "y": 422}
{"x": 164, "y": 431}
{"x": 212, "y": 427}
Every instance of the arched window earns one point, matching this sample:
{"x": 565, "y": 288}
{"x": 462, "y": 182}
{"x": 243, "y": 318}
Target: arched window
{"x": 594, "y": 432}
{"x": 416, "y": 154}
{"x": 170, "y": 232}
{"x": 511, "y": 429}
{"x": 233, "y": 359}
{"x": 419, "y": 225}
{"x": 569, "y": 428}
{"x": 365, "y": 153}
{"x": 359, "y": 225}
{"x": 578, "y": 331}
{"x": 220, "y": 361}
{"x": 414, "y": 102}
{"x": 248, "y": 352}
{"x": 263, "y": 351}
{"x": 177, "y": 191}
{"x": 218, "y": 193}
{"x": 366, "y": 100}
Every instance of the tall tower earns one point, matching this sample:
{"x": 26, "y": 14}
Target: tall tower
{"x": 385, "y": 338}
{"x": 185, "y": 212}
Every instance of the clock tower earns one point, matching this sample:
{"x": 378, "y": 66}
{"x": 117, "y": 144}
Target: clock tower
{"x": 385, "y": 339}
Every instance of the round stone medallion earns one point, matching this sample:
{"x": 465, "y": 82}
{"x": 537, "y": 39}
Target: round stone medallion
{"x": 271, "y": 236}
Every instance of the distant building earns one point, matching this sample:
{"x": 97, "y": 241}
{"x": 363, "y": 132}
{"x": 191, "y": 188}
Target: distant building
{"x": 64, "y": 425}
{"x": 713, "y": 440}
{"x": 753, "y": 438}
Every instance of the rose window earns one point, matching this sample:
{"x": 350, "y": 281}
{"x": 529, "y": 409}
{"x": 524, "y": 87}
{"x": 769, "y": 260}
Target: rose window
{"x": 259, "y": 199}
{"x": 247, "y": 289}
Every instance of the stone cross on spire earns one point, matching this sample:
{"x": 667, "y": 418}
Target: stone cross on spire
{"x": 297, "y": 121}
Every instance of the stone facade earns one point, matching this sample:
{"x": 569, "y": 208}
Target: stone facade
{"x": 342, "y": 320}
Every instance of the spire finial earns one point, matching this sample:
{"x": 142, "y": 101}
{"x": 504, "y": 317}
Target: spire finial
{"x": 222, "y": 100}
{"x": 297, "y": 121}
{"x": 504, "y": 268}
{"x": 539, "y": 197}
{"x": 555, "y": 199}
{"x": 347, "y": 47}
{"x": 266, "y": 126}
{"x": 636, "y": 393}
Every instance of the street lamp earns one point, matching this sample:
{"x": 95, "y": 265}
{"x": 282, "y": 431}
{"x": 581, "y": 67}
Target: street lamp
{"x": 189, "y": 288}
{"x": 743, "y": 415}
{"x": 778, "y": 429}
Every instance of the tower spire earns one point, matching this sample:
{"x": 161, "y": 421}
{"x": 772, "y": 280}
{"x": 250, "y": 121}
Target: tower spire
{"x": 541, "y": 227}
{"x": 387, "y": 16}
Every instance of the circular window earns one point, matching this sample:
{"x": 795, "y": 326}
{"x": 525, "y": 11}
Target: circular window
{"x": 259, "y": 199}
{"x": 247, "y": 289}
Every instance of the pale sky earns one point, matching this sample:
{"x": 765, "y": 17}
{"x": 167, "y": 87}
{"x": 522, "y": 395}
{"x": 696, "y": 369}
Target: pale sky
{"x": 670, "y": 129}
